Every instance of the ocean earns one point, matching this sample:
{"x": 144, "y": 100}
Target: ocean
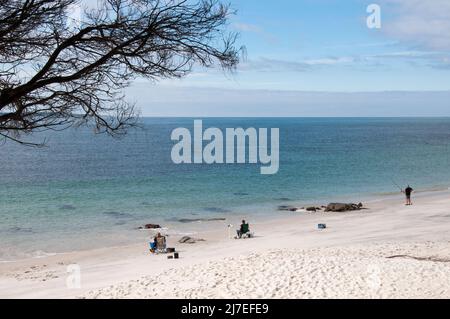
{"x": 85, "y": 191}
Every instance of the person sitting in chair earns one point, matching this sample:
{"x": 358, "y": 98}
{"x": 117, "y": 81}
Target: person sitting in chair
{"x": 244, "y": 229}
{"x": 154, "y": 245}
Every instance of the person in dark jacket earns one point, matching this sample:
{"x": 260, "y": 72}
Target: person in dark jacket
{"x": 408, "y": 191}
{"x": 244, "y": 229}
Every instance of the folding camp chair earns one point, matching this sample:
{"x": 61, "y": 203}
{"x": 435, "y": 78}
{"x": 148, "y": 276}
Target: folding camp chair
{"x": 160, "y": 247}
{"x": 245, "y": 232}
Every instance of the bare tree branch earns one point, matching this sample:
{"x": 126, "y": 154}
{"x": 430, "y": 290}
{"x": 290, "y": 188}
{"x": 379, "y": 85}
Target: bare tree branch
{"x": 55, "y": 75}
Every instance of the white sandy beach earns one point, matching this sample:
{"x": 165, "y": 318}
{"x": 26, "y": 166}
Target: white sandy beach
{"x": 386, "y": 251}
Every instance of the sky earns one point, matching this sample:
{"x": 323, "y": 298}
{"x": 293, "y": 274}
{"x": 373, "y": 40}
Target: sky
{"x": 296, "y": 49}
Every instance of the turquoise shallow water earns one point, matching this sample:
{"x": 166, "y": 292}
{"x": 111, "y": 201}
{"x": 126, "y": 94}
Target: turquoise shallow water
{"x": 85, "y": 191}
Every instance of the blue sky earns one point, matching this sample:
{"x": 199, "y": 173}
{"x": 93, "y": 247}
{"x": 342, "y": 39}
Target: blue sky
{"x": 325, "y": 45}
{"x": 298, "y": 46}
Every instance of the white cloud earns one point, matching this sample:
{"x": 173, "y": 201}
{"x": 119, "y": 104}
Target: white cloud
{"x": 423, "y": 23}
{"x": 273, "y": 65}
{"x": 252, "y": 28}
{"x": 264, "y": 64}
{"x": 246, "y": 27}
{"x": 330, "y": 61}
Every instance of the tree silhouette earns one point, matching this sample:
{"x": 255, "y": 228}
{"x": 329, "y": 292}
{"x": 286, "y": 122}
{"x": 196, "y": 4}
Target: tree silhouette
{"x": 58, "y": 71}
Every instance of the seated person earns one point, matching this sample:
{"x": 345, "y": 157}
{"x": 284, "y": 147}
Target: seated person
{"x": 154, "y": 244}
{"x": 244, "y": 229}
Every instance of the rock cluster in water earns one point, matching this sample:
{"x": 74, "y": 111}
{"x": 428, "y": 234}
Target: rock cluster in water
{"x": 332, "y": 207}
{"x": 339, "y": 207}
{"x": 151, "y": 226}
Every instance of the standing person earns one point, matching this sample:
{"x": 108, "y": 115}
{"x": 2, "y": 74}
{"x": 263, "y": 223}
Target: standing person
{"x": 408, "y": 191}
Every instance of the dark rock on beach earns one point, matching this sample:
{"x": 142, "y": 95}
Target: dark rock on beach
{"x": 152, "y": 226}
{"x": 189, "y": 240}
{"x": 333, "y": 207}
{"x": 287, "y": 208}
{"x": 342, "y": 207}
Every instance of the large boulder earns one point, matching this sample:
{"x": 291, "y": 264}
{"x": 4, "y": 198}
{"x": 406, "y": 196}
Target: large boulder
{"x": 284, "y": 207}
{"x": 336, "y": 207}
{"x": 342, "y": 207}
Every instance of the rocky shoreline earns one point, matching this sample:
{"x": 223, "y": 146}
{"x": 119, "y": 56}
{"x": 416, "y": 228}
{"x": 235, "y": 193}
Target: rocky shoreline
{"x": 332, "y": 207}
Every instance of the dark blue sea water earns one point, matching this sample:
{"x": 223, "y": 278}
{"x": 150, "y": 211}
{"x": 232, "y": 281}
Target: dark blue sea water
{"x": 84, "y": 190}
